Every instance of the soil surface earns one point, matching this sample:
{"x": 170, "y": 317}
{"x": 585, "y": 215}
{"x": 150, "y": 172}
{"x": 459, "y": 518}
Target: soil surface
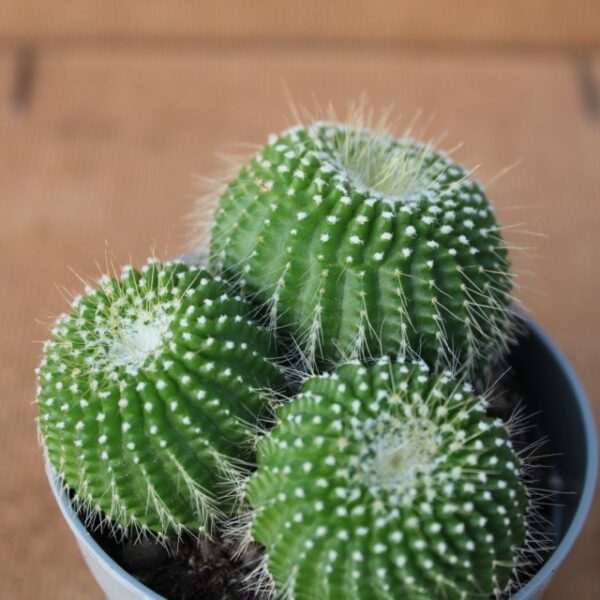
{"x": 204, "y": 568}
{"x": 193, "y": 569}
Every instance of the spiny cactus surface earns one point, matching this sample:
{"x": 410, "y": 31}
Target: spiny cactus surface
{"x": 361, "y": 244}
{"x": 148, "y": 396}
{"x": 387, "y": 482}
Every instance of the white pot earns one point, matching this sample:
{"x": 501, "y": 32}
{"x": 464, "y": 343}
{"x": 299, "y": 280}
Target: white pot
{"x": 116, "y": 582}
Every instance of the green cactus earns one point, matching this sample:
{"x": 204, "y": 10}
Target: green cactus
{"x": 387, "y": 482}
{"x": 360, "y": 244}
{"x": 150, "y": 395}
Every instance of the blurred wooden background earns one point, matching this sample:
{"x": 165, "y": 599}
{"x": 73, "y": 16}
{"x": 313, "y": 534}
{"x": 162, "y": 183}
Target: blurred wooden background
{"x": 111, "y": 112}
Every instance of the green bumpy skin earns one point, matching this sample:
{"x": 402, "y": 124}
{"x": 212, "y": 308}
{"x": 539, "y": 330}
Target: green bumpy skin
{"x": 149, "y": 397}
{"x": 386, "y": 482}
{"x": 360, "y": 245}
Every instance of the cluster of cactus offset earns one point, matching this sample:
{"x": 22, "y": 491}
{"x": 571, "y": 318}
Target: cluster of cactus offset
{"x": 373, "y": 266}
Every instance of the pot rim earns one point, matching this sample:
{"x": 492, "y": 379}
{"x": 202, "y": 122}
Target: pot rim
{"x": 533, "y": 586}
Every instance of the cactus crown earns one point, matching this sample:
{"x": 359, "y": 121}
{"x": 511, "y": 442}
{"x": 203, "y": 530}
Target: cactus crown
{"x": 149, "y": 396}
{"x": 359, "y": 245}
{"x": 394, "y": 171}
{"x": 387, "y": 481}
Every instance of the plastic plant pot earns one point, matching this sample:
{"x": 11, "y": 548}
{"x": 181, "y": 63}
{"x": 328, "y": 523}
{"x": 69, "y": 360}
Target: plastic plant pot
{"x": 552, "y": 393}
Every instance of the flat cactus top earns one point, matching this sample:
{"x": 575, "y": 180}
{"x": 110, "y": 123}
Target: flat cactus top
{"x": 388, "y": 481}
{"x": 396, "y": 171}
{"x": 126, "y": 325}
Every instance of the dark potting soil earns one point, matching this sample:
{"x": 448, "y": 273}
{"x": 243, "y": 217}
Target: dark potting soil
{"x": 190, "y": 570}
{"x": 204, "y": 568}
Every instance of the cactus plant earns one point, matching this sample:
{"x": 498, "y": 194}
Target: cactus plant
{"x": 150, "y": 393}
{"x": 387, "y": 482}
{"x": 360, "y": 244}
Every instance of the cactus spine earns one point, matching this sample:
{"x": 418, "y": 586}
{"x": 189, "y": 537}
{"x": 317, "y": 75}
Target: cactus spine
{"x": 148, "y": 397}
{"x": 388, "y": 482}
{"x": 360, "y": 245}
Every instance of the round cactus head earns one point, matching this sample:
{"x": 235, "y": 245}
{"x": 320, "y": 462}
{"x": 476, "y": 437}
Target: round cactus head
{"x": 387, "y": 482}
{"x": 360, "y": 244}
{"x": 149, "y": 395}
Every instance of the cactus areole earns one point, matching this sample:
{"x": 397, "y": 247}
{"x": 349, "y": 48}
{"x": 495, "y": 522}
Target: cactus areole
{"x": 388, "y": 482}
{"x": 360, "y": 244}
{"x": 147, "y": 397}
